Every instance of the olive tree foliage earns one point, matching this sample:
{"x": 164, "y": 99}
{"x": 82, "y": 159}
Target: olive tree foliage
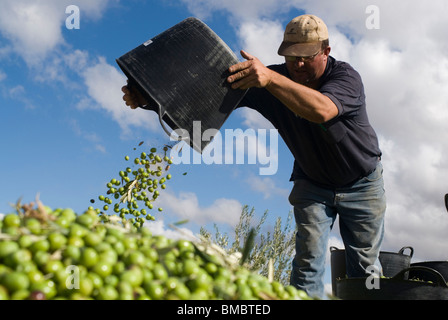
{"x": 271, "y": 250}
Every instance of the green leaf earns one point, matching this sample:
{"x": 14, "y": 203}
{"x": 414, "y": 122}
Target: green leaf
{"x": 248, "y": 246}
{"x": 179, "y": 223}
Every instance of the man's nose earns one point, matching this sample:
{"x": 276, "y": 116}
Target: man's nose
{"x": 299, "y": 63}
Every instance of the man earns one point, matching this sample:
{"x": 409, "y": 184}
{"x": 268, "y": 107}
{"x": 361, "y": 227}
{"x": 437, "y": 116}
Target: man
{"x": 318, "y": 106}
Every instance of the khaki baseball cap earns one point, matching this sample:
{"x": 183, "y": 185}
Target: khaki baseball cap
{"x": 303, "y": 36}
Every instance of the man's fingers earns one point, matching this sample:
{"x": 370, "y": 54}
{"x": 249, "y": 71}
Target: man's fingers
{"x": 131, "y": 100}
{"x": 245, "y": 83}
{"x": 247, "y": 55}
{"x": 240, "y": 66}
{"x": 239, "y": 75}
{"x": 132, "y": 104}
{"x": 127, "y": 97}
{"x": 236, "y": 67}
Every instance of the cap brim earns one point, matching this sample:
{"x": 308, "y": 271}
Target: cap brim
{"x": 299, "y": 49}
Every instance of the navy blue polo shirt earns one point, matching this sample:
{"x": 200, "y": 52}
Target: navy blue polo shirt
{"x": 332, "y": 154}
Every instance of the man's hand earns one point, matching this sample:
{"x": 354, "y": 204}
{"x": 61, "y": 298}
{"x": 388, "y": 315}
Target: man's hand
{"x": 250, "y": 73}
{"x": 133, "y": 98}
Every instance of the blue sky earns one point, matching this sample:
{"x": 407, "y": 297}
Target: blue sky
{"x": 65, "y": 130}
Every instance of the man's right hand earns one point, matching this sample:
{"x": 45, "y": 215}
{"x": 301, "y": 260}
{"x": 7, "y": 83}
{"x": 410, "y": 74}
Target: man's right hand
{"x": 133, "y": 98}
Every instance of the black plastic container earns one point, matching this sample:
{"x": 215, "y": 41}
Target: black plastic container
{"x": 439, "y": 266}
{"x": 182, "y": 73}
{"x": 392, "y": 263}
{"x": 395, "y": 288}
{"x": 338, "y": 267}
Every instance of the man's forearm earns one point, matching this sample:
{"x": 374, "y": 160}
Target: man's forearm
{"x": 305, "y": 102}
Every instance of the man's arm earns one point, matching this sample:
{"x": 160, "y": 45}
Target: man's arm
{"x": 305, "y": 102}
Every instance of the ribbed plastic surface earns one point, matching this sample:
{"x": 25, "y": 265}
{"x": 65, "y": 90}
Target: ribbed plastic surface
{"x": 183, "y": 72}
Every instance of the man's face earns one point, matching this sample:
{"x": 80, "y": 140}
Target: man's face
{"x": 309, "y": 70}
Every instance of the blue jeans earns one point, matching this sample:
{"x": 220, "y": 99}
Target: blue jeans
{"x": 361, "y": 208}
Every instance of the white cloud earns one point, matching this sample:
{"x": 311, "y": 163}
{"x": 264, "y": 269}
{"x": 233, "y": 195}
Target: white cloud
{"x": 256, "y": 36}
{"x": 104, "y": 84}
{"x": 267, "y": 186}
{"x": 92, "y": 137}
{"x": 158, "y": 227}
{"x": 186, "y": 206}
{"x": 253, "y": 119}
{"x": 77, "y": 60}
{"x": 100, "y": 86}
{"x": 34, "y": 27}
{"x": 244, "y": 10}
{"x": 19, "y": 93}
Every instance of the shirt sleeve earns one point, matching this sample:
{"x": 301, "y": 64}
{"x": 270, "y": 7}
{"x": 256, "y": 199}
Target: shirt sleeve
{"x": 345, "y": 88}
